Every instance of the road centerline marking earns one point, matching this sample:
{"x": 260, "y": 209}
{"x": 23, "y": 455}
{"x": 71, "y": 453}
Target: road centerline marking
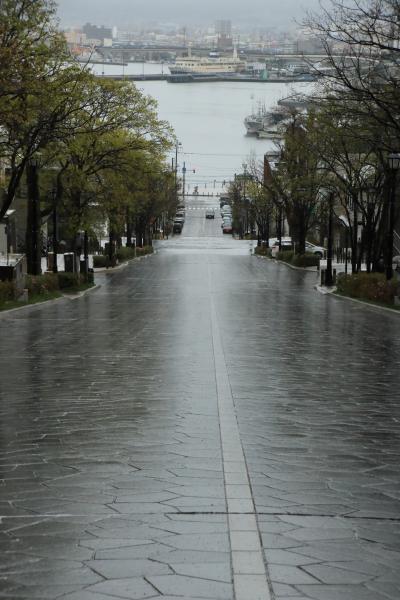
{"x": 250, "y": 579}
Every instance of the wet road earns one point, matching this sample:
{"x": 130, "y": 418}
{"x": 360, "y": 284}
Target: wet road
{"x": 205, "y": 425}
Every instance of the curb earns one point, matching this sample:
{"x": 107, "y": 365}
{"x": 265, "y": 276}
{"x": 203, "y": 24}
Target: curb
{"x": 282, "y": 262}
{"x": 83, "y": 293}
{"x": 5, "y": 313}
{"x": 332, "y": 291}
{"x": 122, "y": 265}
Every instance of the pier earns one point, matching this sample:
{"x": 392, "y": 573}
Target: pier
{"x": 189, "y": 78}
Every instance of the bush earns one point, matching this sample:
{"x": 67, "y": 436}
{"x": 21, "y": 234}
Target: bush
{"x": 67, "y": 281}
{"x": 298, "y": 260}
{"x": 144, "y": 250}
{"x": 125, "y": 253}
{"x": 100, "y": 261}
{"x": 41, "y": 284}
{"x": 262, "y": 251}
{"x": 285, "y": 255}
{"x": 368, "y": 286}
{"x": 305, "y": 260}
{"x": 7, "y": 291}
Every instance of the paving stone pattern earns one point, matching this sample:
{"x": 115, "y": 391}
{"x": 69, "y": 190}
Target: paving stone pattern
{"x": 204, "y": 426}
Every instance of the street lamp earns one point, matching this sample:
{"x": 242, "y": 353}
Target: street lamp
{"x": 394, "y": 165}
{"x": 327, "y": 193}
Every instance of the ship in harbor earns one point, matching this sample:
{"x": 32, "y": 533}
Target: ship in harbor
{"x": 270, "y": 124}
{"x": 211, "y": 65}
{"x": 254, "y": 122}
{"x": 266, "y": 124}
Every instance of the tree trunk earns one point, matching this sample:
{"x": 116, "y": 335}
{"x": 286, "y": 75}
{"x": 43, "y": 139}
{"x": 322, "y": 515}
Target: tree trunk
{"x": 33, "y": 225}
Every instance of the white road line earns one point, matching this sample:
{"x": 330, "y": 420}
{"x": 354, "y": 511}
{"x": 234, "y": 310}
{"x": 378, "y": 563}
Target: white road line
{"x": 249, "y": 571}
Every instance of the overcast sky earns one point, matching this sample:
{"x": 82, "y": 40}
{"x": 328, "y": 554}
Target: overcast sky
{"x": 124, "y": 13}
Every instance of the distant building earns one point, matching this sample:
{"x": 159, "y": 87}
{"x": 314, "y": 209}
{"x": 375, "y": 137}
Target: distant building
{"x": 223, "y": 29}
{"x": 75, "y": 38}
{"x": 93, "y": 32}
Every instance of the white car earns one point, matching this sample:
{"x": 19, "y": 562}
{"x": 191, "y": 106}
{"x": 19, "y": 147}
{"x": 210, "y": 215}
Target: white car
{"x": 316, "y": 250}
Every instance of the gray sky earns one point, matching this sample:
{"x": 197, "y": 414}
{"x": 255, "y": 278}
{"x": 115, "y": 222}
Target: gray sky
{"x": 264, "y": 13}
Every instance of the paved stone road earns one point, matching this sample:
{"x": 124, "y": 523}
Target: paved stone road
{"x": 203, "y": 426}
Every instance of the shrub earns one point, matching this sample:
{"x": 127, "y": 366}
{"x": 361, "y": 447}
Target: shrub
{"x": 144, "y": 250}
{"x": 41, "y": 284}
{"x": 305, "y": 260}
{"x": 285, "y": 255}
{"x": 100, "y": 261}
{"x": 125, "y": 253}
{"x": 262, "y": 251}
{"x": 69, "y": 280}
{"x": 368, "y": 286}
{"x": 7, "y": 291}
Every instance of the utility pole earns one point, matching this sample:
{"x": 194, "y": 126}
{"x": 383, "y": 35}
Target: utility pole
{"x": 329, "y": 273}
{"x": 183, "y": 181}
{"x": 55, "y": 225}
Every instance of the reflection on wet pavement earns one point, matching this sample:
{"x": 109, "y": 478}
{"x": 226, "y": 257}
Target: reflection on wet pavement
{"x": 124, "y": 471}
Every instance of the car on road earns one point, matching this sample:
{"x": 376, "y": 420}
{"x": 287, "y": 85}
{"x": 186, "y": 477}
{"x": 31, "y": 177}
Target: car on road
{"x": 177, "y": 227}
{"x": 210, "y": 214}
{"x": 227, "y": 228}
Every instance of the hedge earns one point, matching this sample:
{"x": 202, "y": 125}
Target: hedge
{"x": 41, "y": 284}
{"x": 305, "y": 260}
{"x": 262, "y": 251}
{"x": 298, "y": 260}
{"x": 144, "y": 250}
{"x": 7, "y": 291}
{"x": 101, "y": 261}
{"x": 368, "y": 286}
{"x": 125, "y": 253}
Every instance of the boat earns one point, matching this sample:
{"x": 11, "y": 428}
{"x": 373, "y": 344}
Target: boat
{"x": 211, "y": 65}
{"x": 274, "y": 124}
{"x": 254, "y": 122}
{"x": 295, "y": 102}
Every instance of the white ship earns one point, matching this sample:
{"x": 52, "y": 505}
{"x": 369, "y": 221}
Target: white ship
{"x": 198, "y": 65}
{"x": 254, "y": 122}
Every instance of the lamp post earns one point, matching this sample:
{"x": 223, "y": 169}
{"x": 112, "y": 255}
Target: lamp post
{"x": 329, "y": 256}
{"x": 176, "y": 167}
{"x": 55, "y": 225}
{"x": 394, "y": 165}
{"x": 183, "y": 181}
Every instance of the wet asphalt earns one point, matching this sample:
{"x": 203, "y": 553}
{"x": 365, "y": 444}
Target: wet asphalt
{"x": 203, "y": 425}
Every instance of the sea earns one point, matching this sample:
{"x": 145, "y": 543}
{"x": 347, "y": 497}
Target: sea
{"x": 207, "y": 118}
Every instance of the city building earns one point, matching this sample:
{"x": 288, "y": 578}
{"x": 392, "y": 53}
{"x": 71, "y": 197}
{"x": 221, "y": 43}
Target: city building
{"x": 223, "y": 30}
{"x": 98, "y": 34}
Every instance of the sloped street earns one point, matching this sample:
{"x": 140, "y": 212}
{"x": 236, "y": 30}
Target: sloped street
{"x": 204, "y": 425}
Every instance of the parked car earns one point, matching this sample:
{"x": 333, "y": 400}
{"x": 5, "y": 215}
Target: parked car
{"x": 180, "y": 215}
{"x": 223, "y": 201}
{"x": 210, "y": 214}
{"x": 286, "y": 245}
{"x": 227, "y": 228}
{"x": 317, "y": 250}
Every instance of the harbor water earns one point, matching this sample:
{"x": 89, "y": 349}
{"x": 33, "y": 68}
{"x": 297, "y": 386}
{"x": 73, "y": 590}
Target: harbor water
{"x": 208, "y": 121}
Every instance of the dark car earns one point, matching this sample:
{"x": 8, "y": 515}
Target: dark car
{"x": 210, "y": 214}
{"x": 177, "y": 227}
